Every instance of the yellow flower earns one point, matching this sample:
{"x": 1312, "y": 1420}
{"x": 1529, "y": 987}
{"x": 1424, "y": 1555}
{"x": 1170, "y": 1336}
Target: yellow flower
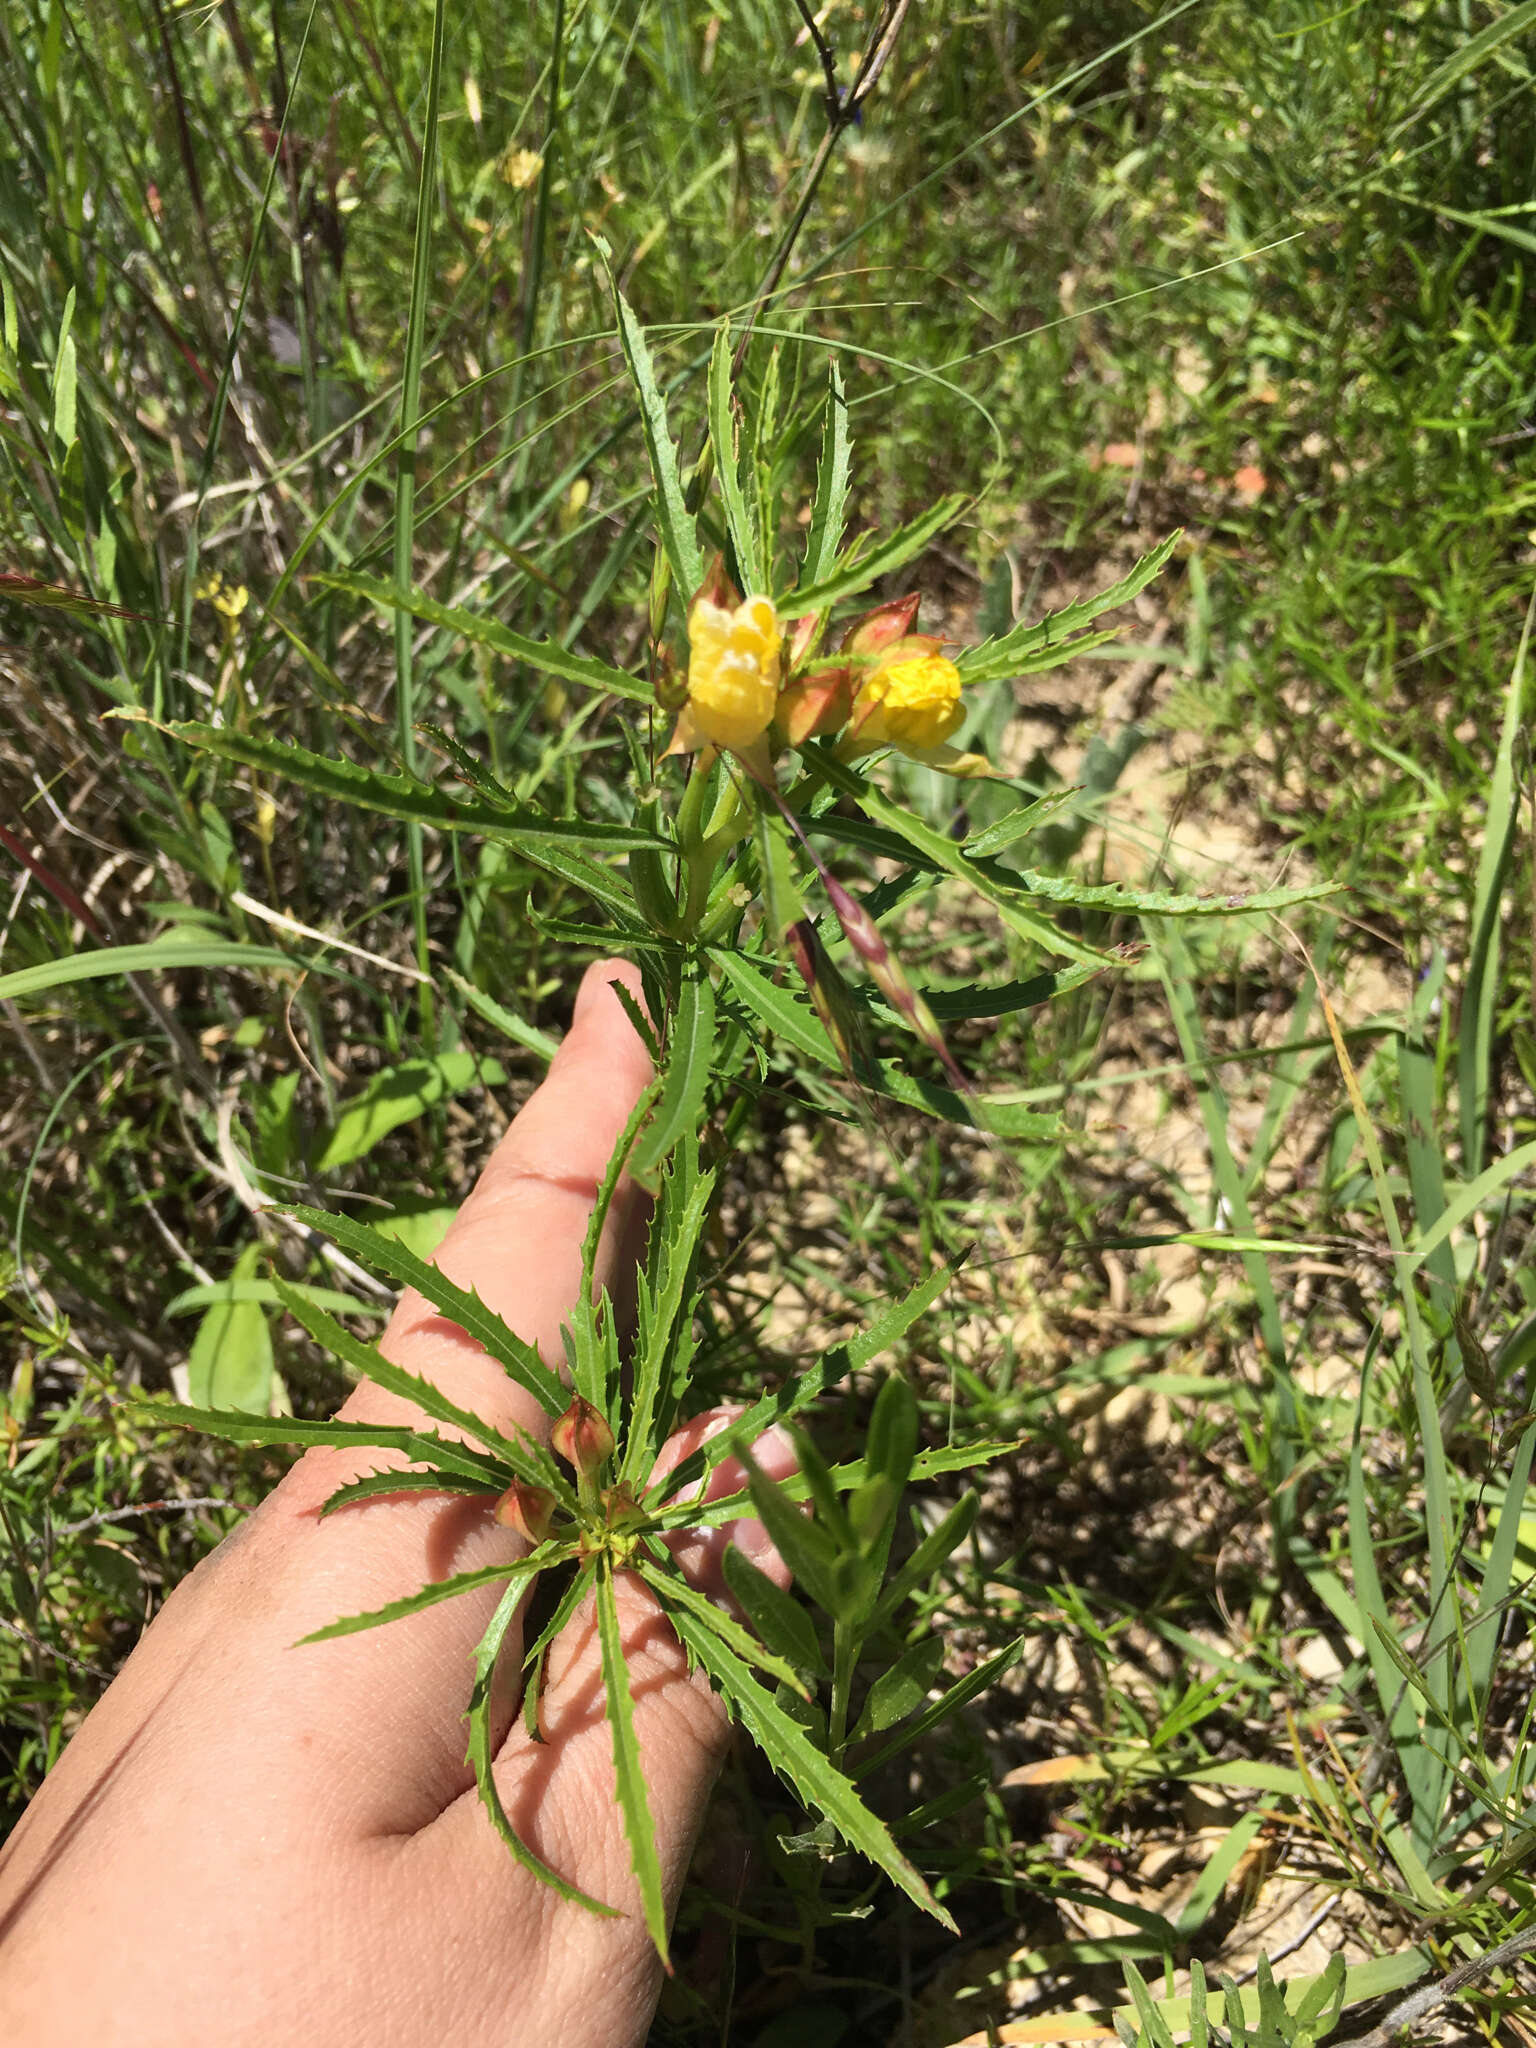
{"x": 913, "y": 704}
{"x": 733, "y": 673}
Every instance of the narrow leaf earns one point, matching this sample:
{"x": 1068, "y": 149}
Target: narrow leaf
{"x": 1004, "y": 656}
{"x": 422, "y": 1444}
{"x": 690, "y": 1059}
{"x": 543, "y": 655}
{"x": 776, "y": 1614}
{"x": 831, "y": 506}
{"x": 430, "y": 1596}
{"x": 517, "y": 1357}
{"x": 679, "y": 532}
{"x": 814, "y": 1776}
{"x": 481, "y": 1760}
{"x": 885, "y": 556}
{"x": 628, "y": 1768}
{"x": 674, "y": 1590}
{"x": 726, "y": 442}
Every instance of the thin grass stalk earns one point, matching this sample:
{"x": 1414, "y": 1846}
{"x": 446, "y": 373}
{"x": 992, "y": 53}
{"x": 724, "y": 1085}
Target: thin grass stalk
{"x": 405, "y": 490}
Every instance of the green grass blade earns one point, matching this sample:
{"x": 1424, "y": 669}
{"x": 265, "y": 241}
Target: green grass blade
{"x": 629, "y": 1769}
{"x": 515, "y": 1355}
{"x": 1498, "y": 1573}
{"x": 482, "y": 1762}
{"x": 726, "y": 440}
{"x": 818, "y": 1781}
{"x": 1480, "y": 986}
{"x": 159, "y": 957}
{"x": 405, "y": 475}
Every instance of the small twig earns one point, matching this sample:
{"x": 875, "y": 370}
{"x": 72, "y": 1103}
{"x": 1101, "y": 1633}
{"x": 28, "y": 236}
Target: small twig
{"x": 828, "y": 58}
{"x": 1418, "y": 2004}
{"x": 13, "y": 1628}
{"x": 147, "y": 1507}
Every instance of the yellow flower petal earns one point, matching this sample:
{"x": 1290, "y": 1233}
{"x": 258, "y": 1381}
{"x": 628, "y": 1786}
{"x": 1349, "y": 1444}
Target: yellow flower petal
{"x": 733, "y": 671}
{"x": 912, "y": 703}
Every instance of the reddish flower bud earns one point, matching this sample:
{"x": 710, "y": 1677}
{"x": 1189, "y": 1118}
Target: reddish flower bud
{"x": 717, "y": 588}
{"x": 887, "y": 622}
{"x": 802, "y": 635}
{"x": 527, "y": 1509}
{"x": 820, "y": 702}
{"x": 582, "y": 1437}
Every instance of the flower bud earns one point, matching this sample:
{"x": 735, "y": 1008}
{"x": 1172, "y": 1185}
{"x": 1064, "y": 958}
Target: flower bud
{"x": 887, "y": 622}
{"x": 820, "y": 702}
{"x": 527, "y": 1509}
{"x": 582, "y": 1437}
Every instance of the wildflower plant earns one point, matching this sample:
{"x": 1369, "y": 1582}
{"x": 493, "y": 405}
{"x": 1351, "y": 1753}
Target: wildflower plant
{"x": 756, "y": 739}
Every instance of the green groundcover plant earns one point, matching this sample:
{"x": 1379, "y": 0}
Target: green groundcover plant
{"x": 718, "y": 880}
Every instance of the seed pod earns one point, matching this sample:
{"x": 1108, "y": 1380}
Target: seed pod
{"x": 582, "y": 1437}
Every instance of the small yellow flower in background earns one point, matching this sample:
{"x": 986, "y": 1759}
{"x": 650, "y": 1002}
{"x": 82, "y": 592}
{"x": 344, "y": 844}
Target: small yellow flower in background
{"x": 912, "y": 703}
{"x": 733, "y": 674}
{"x": 519, "y": 167}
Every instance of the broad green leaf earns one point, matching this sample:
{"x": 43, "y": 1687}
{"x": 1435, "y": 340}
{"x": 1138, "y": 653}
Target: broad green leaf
{"x": 442, "y": 1589}
{"x": 482, "y": 1761}
{"x": 959, "y": 1695}
{"x": 543, "y": 655}
{"x": 230, "y": 1363}
{"x": 805, "y": 1546}
{"x": 388, "y": 1255}
{"x": 890, "y": 1445}
{"x": 882, "y": 559}
{"x": 422, "y": 1444}
{"x": 404, "y": 798}
{"x": 679, "y": 532}
{"x": 526, "y": 1458}
{"x": 159, "y": 957}
{"x": 723, "y": 436}
{"x": 1009, "y": 652}
{"x": 628, "y": 1768}
{"x": 690, "y": 1061}
{"x": 938, "y": 1545}
{"x": 398, "y": 1096}
{"x": 776, "y": 1614}
{"x": 421, "y": 1229}
{"x": 831, "y": 505}
{"x": 263, "y": 1291}
{"x": 818, "y": 1781}
{"x": 901, "y": 1690}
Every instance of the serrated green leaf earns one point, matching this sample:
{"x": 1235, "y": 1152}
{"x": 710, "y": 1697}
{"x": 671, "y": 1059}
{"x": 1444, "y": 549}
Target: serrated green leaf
{"x": 628, "y": 1768}
{"x": 690, "y": 1062}
{"x": 830, "y": 508}
{"x": 388, "y": 1255}
{"x": 814, "y": 1776}
{"x": 423, "y": 1445}
{"x": 380, "y": 1485}
{"x": 523, "y": 1456}
{"x": 674, "y": 1590}
{"x": 482, "y": 1762}
{"x": 679, "y": 531}
{"x": 543, "y": 655}
{"x": 882, "y": 559}
{"x": 996, "y": 659}
{"x": 409, "y": 801}
{"x": 725, "y": 440}
{"x": 515, "y": 1569}
{"x": 396, "y": 1096}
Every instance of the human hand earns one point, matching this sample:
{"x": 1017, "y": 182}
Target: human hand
{"x": 257, "y": 1842}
